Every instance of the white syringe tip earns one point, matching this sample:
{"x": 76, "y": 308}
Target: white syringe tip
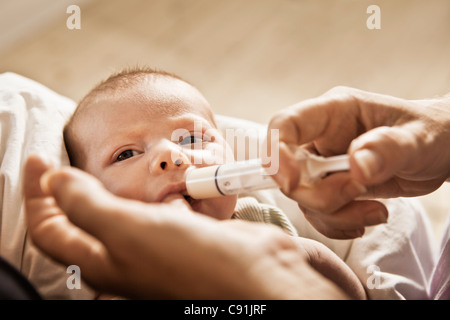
{"x": 201, "y": 183}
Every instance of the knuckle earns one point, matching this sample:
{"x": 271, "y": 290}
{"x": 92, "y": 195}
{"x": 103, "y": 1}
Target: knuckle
{"x": 317, "y": 205}
{"x": 340, "y": 90}
{"x": 342, "y": 94}
{"x": 280, "y": 118}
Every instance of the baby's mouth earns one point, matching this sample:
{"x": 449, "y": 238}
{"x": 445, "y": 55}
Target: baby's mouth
{"x": 188, "y": 199}
{"x": 195, "y": 204}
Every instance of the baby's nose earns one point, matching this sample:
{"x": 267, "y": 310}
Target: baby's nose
{"x": 169, "y": 159}
{"x": 177, "y": 163}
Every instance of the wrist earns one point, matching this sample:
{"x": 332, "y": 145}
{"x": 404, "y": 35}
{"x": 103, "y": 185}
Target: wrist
{"x": 440, "y": 107}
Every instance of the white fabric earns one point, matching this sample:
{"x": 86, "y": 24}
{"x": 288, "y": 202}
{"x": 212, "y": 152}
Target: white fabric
{"x": 440, "y": 280}
{"x": 31, "y": 121}
{"x": 32, "y": 118}
{"x": 393, "y": 260}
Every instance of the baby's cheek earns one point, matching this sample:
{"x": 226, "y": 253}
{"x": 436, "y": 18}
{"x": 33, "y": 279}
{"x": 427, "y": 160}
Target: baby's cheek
{"x": 221, "y": 208}
{"x": 129, "y": 190}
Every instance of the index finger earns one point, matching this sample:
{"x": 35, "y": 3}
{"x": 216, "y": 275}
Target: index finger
{"x": 330, "y": 122}
{"x": 302, "y": 122}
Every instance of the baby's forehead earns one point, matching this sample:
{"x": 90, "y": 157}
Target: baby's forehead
{"x": 164, "y": 97}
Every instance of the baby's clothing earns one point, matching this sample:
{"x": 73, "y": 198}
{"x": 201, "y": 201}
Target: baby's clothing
{"x": 440, "y": 281}
{"x": 250, "y": 209}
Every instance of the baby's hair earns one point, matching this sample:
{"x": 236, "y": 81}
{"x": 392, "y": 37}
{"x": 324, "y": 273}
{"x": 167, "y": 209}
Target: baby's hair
{"x": 123, "y": 80}
{"x": 115, "y": 83}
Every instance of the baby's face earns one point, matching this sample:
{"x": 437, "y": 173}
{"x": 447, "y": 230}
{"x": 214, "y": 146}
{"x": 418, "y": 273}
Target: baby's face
{"x": 140, "y": 142}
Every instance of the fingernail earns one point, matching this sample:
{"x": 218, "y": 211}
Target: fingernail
{"x": 351, "y": 234}
{"x": 375, "y": 217}
{"x": 369, "y": 162}
{"x": 43, "y": 181}
{"x": 361, "y": 232}
{"x": 46, "y": 159}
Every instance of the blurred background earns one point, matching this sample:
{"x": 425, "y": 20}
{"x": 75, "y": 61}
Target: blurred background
{"x": 249, "y": 58}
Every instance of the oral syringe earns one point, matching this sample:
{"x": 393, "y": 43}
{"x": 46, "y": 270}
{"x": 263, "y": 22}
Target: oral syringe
{"x": 246, "y": 176}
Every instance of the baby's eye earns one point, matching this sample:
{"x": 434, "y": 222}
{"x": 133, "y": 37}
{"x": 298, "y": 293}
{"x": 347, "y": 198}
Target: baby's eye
{"x": 126, "y": 155}
{"x": 190, "y": 140}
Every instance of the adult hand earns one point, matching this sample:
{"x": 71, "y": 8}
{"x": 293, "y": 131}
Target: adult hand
{"x": 397, "y": 148}
{"x": 142, "y": 250}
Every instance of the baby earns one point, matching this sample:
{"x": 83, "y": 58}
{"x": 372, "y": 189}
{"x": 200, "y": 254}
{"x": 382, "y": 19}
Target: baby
{"x": 122, "y": 132}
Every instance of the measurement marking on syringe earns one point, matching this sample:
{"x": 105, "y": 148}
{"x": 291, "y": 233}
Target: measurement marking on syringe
{"x": 215, "y": 180}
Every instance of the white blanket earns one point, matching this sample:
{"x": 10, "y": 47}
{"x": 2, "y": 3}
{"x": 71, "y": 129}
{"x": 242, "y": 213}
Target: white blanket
{"x": 31, "y": 121}
{"x": 393, "y": 261}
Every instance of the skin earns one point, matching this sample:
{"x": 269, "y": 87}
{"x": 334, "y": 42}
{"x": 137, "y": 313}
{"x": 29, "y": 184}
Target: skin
{"x": 115, "y": 145}
{"x": 404, "y": 153}
{"x": 227, "y": 259}
{"x": 129, "y": 141}
{"x": 397, "y": 147}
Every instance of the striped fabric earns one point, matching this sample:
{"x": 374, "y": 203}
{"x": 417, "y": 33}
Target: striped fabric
{"x": 250, "y": 209}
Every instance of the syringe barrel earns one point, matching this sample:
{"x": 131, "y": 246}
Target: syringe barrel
{"x": 246, "y": 176}
{"x": 228, "y": 179}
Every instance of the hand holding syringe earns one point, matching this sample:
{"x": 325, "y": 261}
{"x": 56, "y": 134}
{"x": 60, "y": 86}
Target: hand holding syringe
{"x": 245, "y": 176}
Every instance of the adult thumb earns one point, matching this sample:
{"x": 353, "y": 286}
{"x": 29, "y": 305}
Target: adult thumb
{"x": 382, "y": 153}
{"x": 83, "y": 199}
